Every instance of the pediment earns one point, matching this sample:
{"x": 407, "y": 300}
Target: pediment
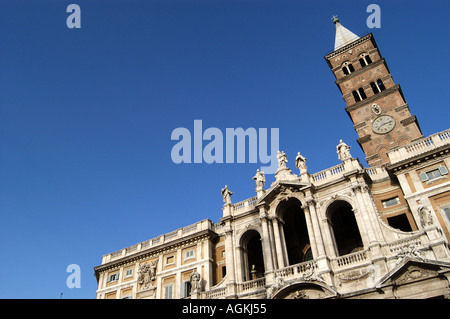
{"x": 281, "y": 190}
{"x": 411, "y": 270}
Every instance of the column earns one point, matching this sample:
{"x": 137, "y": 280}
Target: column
{"x": 309, "y": 226}
{"x": 283, "y": 242}
{"x": 265, "y": 241}
{"x": 278, "y": 245}
{"x": 272, "y": 245}
{"x": 372, "y": 214}
{"x": 229, "y": 259}
{"x": 315, "y": 223}
{"x": 207, "y": 246}
{"x": 361, "y": 207}
{"x": 266, "y": 245}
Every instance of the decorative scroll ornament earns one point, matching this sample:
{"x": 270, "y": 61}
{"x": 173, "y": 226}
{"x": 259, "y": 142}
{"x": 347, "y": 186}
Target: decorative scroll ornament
{"x": 409, "y": 252}
{"x": 279, "y": 283}
{"x": 310, "y": 274}
{"x": 376, "y": 109}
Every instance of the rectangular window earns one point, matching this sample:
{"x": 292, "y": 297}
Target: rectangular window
{"x": 390, "y": 202}
{"x": 185, "y": 289}
{"x": 447, "y": 212}
{"x": 113, "y": 277}
{"x": 400, "y": 222}
{"x": 436, "y": 173}
{"x": 170, "y": 260}
{"x": 168, "y": 292}
{"x": 189, "y": 254}
{"x": 129, "y": 273}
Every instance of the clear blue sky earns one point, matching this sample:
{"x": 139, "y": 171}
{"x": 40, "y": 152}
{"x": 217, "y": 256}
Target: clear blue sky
{"x": 86, "y": 115}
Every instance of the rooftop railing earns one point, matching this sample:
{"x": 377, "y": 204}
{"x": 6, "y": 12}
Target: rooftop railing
{"x": 160, "y": 240}
{"x": 420, "y": 147}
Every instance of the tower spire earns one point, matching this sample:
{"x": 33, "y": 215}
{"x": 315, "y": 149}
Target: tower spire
{"x": 343, "y": 35}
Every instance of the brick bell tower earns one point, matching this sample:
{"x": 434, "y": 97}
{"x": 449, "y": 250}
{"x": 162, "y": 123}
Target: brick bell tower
{"x": 375, "y": 104}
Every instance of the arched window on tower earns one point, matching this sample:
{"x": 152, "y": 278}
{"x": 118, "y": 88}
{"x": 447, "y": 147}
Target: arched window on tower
{"x": 347, "y": 68}
{"x": 362, "y": 93}
{"x": 377, "y": 87}
{"x": 381, "y": 85}
{"x": 344, "y": 228}
{"x": 356, "y": 96}
{"x": 364, "y": 59}
{"x": 359, "y": 95}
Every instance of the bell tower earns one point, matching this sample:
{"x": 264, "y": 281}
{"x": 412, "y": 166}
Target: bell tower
{"x": 375, "y": 104}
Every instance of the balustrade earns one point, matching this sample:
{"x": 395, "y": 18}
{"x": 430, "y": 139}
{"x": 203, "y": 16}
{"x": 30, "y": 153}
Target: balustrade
{"x": 419, "y": 147}
{"x": 216, "y": 293}
{"x": 295, "y": 270}
{"x": 350, "y": 259}
{"x": 254, "y": 284}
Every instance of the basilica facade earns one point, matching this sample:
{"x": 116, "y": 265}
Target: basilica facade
{"x": 348, "y": 231}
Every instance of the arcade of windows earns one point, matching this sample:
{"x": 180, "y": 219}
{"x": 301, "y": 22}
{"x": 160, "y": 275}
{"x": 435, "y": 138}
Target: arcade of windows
{"x": 377, "y": 87}
{"x": 360, "y": 94}
{"x": 295, "y": 242}
{"x": 364, "y": 59}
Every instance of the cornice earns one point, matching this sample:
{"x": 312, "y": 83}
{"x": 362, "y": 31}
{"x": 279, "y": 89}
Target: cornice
{"x": 419, "y": 159}
{"x": 349, "y": 46}
{"x": 180, "y": 242}
{"x": 364, "y": 139}
{"x": 409, "y": 120}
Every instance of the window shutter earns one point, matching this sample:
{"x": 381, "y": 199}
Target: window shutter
{"x": 447, "y": 212}
{"x": 423, "y": 177}
{"x": 183, "y": 290}
{"x": 168, "y": 292}
{"x": 443, "y": 170}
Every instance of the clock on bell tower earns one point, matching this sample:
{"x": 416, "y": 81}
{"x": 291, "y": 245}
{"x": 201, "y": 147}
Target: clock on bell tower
{"x": 375, "y": 104}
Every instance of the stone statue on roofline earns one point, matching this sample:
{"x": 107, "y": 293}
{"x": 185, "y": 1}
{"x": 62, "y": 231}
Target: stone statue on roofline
{"x": 282, "y": 159}
{"x": 300, "y": 163}
{"x": 226, "y": 194}
{"x": 343, "y": 151}
{"x": 260, "y": 179}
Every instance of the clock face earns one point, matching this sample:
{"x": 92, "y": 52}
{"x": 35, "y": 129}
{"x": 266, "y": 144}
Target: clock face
{"x": 383, "y": 124}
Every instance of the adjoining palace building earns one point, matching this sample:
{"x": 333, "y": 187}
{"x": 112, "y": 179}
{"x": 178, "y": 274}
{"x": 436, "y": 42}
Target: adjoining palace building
{"x": 346, "y": 232}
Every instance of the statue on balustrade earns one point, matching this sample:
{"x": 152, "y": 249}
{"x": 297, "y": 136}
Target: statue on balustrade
{"x": 300, "y": 163}
{"x": 282, "y": 159}
{"x": 343, "y": 151}
{"x": 260, "y": 179}
{"x": 226, "y": 194}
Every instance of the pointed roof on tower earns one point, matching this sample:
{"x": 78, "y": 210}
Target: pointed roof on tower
{"x": 343, "y": 35}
